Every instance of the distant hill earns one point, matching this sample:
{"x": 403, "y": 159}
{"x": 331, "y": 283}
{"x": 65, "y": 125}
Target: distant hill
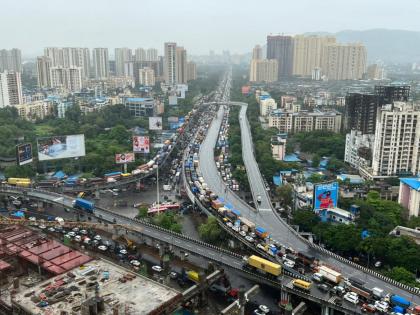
{"x": 393, "y": 46}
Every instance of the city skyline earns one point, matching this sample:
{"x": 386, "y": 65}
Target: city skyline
{"x": 76, "y": 29}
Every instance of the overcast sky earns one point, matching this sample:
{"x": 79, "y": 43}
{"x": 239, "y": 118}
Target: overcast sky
{"x": 236, "y": 25}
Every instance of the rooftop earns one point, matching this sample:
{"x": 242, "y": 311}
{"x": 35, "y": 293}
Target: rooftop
{"x": 116, "y": 287}
{"x": 413, "y": 182}
{"x": 138, "y": 99}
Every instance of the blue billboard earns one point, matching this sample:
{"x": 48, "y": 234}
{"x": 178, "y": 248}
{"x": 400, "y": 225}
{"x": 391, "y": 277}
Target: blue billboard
{"x": 325, "y": 195}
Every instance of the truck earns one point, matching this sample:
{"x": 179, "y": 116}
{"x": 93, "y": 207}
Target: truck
{"x": 378, "y": 293}
{"x": 262, "y": 265}
{"x": 364, "y": 293}
{"x": 193, "y": 276}
{"x": 84, "y": 204}
{"x": 261, "y": 232}
{"x": 216, "y": 204}
{"x": 247, "y": 225}
{"x": 330, "y": 274}
{"x": 397, "y": 300}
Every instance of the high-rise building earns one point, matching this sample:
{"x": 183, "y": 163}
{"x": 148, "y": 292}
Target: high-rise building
{"x": 375, "y": 72}
{"x": 152, "y": 54}
{"x": 10, "y": 89}
{"x": 387, "y": 94}
{"x": 308, "y": 52}
{"x": 396, "y": 149}
{"x": 122, "y": 56}
{"x": 101, "y": 63}
{"x": 169, "y": 69}
{"x": 264, "y": 70}
{"x": 181, "y": 65}
{"x": 69, "y": 57}
{"x": 358, "y": 151}
{"x": 11, "y": 60}
{"x": 280, "y": 47}
{"x": 140, "y": 54}
{"x": 43, "y": 65}
{"x": 191, "y": 71}
{"x": 257, "y": 53}
{"x": 344, "y": 61}
{"x": 147, "y": 77}
{"x": 360, "y": 112}
{"x": 69, "y": 79}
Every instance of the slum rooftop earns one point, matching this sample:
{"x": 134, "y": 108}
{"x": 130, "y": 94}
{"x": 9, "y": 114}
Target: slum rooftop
{"x": 98, "y": 285}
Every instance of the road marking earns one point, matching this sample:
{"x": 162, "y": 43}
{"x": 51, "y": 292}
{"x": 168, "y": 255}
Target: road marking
{"x": 264, "y": 209}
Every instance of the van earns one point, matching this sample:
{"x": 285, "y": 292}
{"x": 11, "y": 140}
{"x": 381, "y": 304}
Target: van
{"x": 317, "y": 277}
{"x": 300, "y": 284}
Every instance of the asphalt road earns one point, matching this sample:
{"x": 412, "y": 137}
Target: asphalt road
{"x": 265, "y": 216}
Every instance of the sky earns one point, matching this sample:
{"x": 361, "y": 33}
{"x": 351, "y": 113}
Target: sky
{"x": 234, "y": 25}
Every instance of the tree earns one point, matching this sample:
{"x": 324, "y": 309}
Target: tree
{"x": 402, "y": 275}
{"x": 285, "y": 194}
{"x": 211, "y": 232}
{"x": 316, "y": 178}
{"x": 73, "y": 113}
{"x": 305, "y": 219}
{"x": 316, "y": 160}
{"x": 142, "y": 212}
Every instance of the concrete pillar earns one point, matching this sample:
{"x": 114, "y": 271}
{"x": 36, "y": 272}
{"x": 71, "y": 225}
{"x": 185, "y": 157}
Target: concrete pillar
{"x": 325, "y": 310}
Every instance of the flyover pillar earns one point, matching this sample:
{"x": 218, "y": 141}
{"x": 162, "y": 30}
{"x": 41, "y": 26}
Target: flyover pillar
{"x": 326, "y": 310}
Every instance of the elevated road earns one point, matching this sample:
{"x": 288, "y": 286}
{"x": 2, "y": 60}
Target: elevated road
{"x": 266, "y": 217}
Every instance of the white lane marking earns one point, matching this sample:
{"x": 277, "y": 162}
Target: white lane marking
{"x": 264, "y": 210}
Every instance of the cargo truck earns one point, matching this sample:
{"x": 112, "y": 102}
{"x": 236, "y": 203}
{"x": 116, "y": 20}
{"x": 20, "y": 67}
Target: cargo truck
{"x": 399, "y": 301}
{"x": 330, "y": 274}
{"x": 261, "y": 232}
{"x": 247, "y": 225}
{"x": 83, "y": 204}
{"x": 262, "y": 265}
{"x": 363, "y": 293}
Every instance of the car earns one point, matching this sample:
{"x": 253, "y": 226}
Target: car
{"x": 289, "y": 263}
{"x": 317, "y": 277}
{"x": 75, "y": 229}
{"x": 42, "y": 227}
{"x": 86, "y": 240}
{"x": 32, "y": 219}
{"x": 71, "y": 234}
{"x": 339, "y": 290}
{"x": 242, "y": 233}
{"x": 229, "y": 224}
{"x": 253, "y": 235}
{"x": 157, "y": 268}
{"x": 102, "y": 248}
{"x": 78, "y": 238}
{"x": 259, "y": 199}
{"x": 249, "y": 239}
{"x": 235, "y": 228}
{"x": 259, "y": 246}
{"x": 135, "y": 263}
{"x": 351, "y": 297}
{"x": 368, "y": 308}
{"x": 83, "y": 232}
{"x": 264, "y": 309}
{"x": 323, "y": 287}
{"x": 382, "y": 306}
{"x": 97, "y": 237}
{"x": 51, "y": 229}
{"x": 173, "y": 274}
{"x": 123, "y": 252}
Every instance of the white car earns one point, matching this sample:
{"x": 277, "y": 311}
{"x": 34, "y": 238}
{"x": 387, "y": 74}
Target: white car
{"x": 382, "y": 306}
{"x": 264, "y": 309}
{"x": 135, "y": 263}
{"x": 32, "y": 219}
{"x": 249, "y": 239}
{"x": 86, "y": 240}
{"x": 71, "y": 234}
{"x": 51, "y": 229}
{"x": 78, "y": 238}
{"x": 351, "y": 297}
{"x": 102, "y": 248}
{"x": 157, "y": 268}
{"x": 97, "y": 237}
{"x": 42, "y": 227}
{"x": 75, "y": 229}
{"x": 242, "y": 233}
{"x": 123, "y": 252}
{"x": 259, "y": 246}
{"x": 83, "y": 232}
{"x": 289, "y": 263}
{"x": 229, "y": 224}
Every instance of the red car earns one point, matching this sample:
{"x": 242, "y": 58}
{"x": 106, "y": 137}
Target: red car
{"x": 368, "y": 308}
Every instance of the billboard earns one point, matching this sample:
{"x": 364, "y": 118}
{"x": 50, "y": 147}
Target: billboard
{"x": 172, "y": 119}
{"x": 24, "y": 153}
{"x": 61, "y": 147}
{"x": 122, "y": 158}
{"x": 155, "y": 123}
{"x": 325, "y": 195}
{"x": 173, "y": 100}
{"x": 141, "y": 144}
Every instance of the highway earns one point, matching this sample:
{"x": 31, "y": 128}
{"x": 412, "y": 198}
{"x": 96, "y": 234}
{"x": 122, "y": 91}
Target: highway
{"x": 265, "y": 217}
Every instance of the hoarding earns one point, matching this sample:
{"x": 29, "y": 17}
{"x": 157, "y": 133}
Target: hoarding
{"x": 173, "y": 100}
{"x": 122, "y": 158}
{"x": 61, "y": 147}
{"x": 172, "y": 119}
{"x": 155, "y": 123}
{"x": 24, "y": 153}
{"x": 325, "y": 195}
{"x": 141, "y": 144}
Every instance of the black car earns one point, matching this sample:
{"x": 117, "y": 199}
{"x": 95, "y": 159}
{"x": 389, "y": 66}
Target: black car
{"x": 323, "y": 287}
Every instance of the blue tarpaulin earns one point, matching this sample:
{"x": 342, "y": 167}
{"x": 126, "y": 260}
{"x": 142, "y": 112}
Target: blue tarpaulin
{"x": 59, "y": 175}
{"x": 229, "y": 206}
{"x": 277, "y": 180}
{"x": 236, "y": 212}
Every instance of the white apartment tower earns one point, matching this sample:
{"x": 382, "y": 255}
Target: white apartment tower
{"x": 70, "y": 57}
{"x": 11, "y": 60}
{"x": 10, "y": 89}
{"x": 169, "y": 68}
{"x": 101, "y": 63}
{"x": 140, "y": 54}
{"x": 69, "y": 79}
{"x": 122, "y": 56}
{"x": 152, "y": 54}
{"x": 147, "y": 77}
{"x": 181, "y": 65}
{"x": 396, "y": 148}
{"x": 43, "y": 66}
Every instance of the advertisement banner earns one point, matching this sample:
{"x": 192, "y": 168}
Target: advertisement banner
{"x": 172, "y": 119}
{"x": 155, "y": 123}
{"x": 61, "y": 147}
{"x": 325, "y": 195}
{"x": 141, "y": 144}
{"x": 123, "y": 158}
{"x": 24, "y": 153}
{"x": 173, "y": 100}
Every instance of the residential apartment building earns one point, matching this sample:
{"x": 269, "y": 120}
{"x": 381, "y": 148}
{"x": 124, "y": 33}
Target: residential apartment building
{"x": 360, "y": 112}
{"x": 181, "y": 65}
{"x": 191, "y": 71}
{"x": 280, "y": 47}
{"x": 35, "y": 110}
{"x": 409, "y": 195}
{"x": 303, "y": 121}
{"x": 358, "y": 151}
{"x": 140, "y": 54}
{"x": 140, "y": 107}
{"x": 122, "y": 56}
{"x": 152, "y": 54}
{"x": 169, "y": 69}
{"x": 10, "y": 89}
{"x": 396, "y": 148}
{"x": 387, "y": 94}
{"x": 70, "y": 57}
{"x": 68, "y": 79}
{"x": 266, "y": 106}
{"x": 101, "y": 63}
{"x": 308, "y": 53}
{"x": 265, "y": 70}
{"x": 11, "y": 60}
{"x": 257, "y": 53}
{"x": 344, "y": 61}
{"x": 147, "y": 77}
{"x": 43, "y": 66}
{"x": 375, "y": 72}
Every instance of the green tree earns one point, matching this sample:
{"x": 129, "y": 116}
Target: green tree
{"x": 142, "y": 212}
{"x": 285, "y": 194}
{"x": 316, "y": 178}
{"x": 316, "y": 160}
{"x": 402, "y": 275}
{"x": 305, "y": 219}
{"x": 211, "y": 232}
{"x": 73, "y": 113}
